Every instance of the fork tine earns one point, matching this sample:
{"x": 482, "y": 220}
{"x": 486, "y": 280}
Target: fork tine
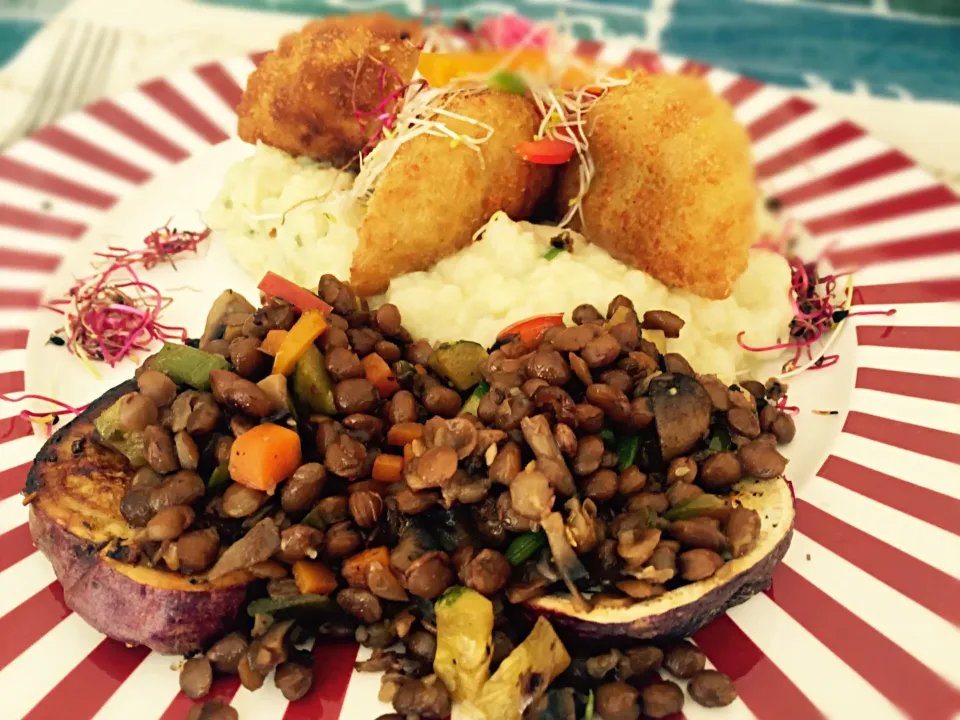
{"x": 75, "y": 62}
{"x": 28, "y": 121}
{"x": 99, "y": 70}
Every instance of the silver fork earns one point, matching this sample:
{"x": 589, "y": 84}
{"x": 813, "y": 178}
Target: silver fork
{"x": 75, "y": 75}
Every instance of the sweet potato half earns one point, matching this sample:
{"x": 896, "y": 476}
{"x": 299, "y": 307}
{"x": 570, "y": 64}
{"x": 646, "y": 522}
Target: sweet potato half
{"x": 75, "y": 521}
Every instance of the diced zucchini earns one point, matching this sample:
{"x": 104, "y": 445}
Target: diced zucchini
{"x": 187, "y": 366}
{"x": 473, "y": 402}
{"x": 312, "y": 384}
{"x": 219, "y": 479}
{"x": 279, "y": 606}
{"x": 129, "y": 444}
{"x": 464, "y": 639}
{"x": 459, "y": 362}
{"x": 525, "y": 675}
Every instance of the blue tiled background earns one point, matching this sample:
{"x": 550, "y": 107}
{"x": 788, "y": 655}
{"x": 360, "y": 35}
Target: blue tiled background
{"x": 886, "y": 48}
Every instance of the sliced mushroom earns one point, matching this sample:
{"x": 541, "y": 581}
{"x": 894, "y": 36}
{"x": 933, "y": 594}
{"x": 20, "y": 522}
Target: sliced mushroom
{"x": 537, "y": 433}
{"x": 259, "y": 544}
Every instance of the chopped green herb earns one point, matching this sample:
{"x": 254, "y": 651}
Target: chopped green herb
{"x": 588, "y": 713}
{"x": 720, "y": 440}
{"x": 219, "y": 478}
{"x": 694, "y": 507}
{"x": 524, "y": 546}
{"x": 627, "y": 452}
{"x": 552, "y": 253}
{"x": 507, "y": 81}
{"x": 607, "y": 436}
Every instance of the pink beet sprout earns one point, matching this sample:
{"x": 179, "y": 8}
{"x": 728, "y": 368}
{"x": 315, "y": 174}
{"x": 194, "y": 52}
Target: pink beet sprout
{"x": 512, "y": 31}
{"x": 113, "y": 313}
{"x": 48, "y": 418}
{"x": 815, "y": 307}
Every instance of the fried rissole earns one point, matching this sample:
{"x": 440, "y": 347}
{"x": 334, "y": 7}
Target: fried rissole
{"x": 303, "y": 97}
{"x": 432, "y": 198}
{"x": 674, "y": 192}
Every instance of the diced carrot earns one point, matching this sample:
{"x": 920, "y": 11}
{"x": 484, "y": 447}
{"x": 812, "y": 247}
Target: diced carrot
{"x": 308, "y": 328}
{"x": 301, "y": 298}
{"x": 265, "y": 456}
{"x": 272, "y": 342}
{"x": 402, "y": 433}
{"x": 388, "y": 468}
{"x": 355, "y": 568}
{"x": 314, "y": 578}
{"x": 421, "y": 370}
{"x": 380, "y": 374}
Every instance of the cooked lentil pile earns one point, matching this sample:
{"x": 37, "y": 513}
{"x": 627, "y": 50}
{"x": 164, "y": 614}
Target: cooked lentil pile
{"x": 365, "y": 479}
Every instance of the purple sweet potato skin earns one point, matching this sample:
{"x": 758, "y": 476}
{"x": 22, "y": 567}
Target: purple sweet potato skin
{"x": 168, "y": 621}
{"x": 135, "y": 605}
{"x": 680, "y": 622}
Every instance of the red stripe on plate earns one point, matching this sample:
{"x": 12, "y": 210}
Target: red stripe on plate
{"x": 919, "y": 502}
{"x": 24, "y": 260}
{"x": 761, "y": 684}
{"x": 70, "y": 144}
{"x": 180, "y": 107}
{"x": 930, "y": 198}
{"x": 13, "y": 480}
{"x": 222, "y": 83}
{"x": 914, "y": 338}
{"x": 904, "y": 249}
{"x": 14, "y": 428}
{"x": 11, "y": 382}
{"x": 694, "y": 68}
{"x": 822, "y": 142}
{"x": 333, "y": 668}
{"x": 124, "y": 122}
{"x": 23, "y": 626}
{"x": 45, "y": 182}
{"x": 861, "y": 172}
{"x": 224, "y": 688}
{"x": 588, "y": 48}
{"x": 922, "y": 583}
{"x": 15, "y": 545}
{"x": 90, "y": 684}
{"x": 925, "y": 387}
{"x": 893, "y": 672}
{"x": 739, "y": 90}
{"x": 922, "y": 440}
{"x": 19, "y": 299}
{"x": 777, "y": 118}
{"x": 13, "y": 340}
{"x": 23, "y": 219}
{"x": 922, "y": 291}
{"x": 645, "y": 59}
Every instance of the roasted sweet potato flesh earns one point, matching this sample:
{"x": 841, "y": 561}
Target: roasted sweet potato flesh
{"x": 75, "y": 521}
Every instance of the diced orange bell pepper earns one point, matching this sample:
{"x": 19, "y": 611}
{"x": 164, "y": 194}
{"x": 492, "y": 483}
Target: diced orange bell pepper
{"x": 440, "y": 69}
{"x": 308, "y": 328}
{"x": 265, "y": 456}
{"x": 272, "y": 342}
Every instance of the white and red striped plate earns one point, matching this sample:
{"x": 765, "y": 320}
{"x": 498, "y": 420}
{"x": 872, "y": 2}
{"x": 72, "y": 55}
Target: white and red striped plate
{"x": 862, "y": 619}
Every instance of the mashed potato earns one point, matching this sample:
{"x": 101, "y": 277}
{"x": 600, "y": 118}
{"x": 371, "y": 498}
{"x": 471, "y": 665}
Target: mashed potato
{"x": 314, "y": 238}
{"x": 501, "y": 278}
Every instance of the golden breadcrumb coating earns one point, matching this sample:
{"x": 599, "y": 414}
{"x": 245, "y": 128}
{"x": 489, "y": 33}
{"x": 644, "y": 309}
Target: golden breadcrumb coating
{"x": 674, "y": 192}
{"x": 303, "y": 96}
{"x": 432, "y": 197}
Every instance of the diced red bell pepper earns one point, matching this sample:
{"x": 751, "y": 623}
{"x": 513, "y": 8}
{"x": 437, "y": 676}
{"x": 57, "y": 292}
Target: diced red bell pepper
{"x": 301, "y": 298}
{"x": 531, "y": 330}
{"x": 546, "y": 151}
